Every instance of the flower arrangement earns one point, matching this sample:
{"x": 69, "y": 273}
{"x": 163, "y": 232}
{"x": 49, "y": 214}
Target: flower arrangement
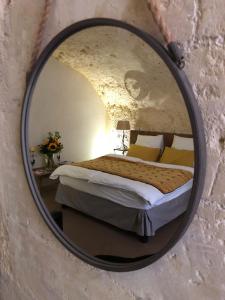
{"x": 51, "y": 144}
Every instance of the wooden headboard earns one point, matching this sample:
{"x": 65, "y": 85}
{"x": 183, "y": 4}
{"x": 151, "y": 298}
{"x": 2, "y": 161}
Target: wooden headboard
{"x": 168, "y": 137}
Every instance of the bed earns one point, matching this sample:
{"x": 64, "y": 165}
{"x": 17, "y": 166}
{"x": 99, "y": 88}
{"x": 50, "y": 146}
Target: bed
{"x": 127, "y": 204}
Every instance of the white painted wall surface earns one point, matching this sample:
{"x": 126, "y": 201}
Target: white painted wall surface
{"x": 65, "y": 101}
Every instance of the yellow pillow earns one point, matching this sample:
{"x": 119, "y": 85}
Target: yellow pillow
{"x": 145, "y": 153}
{"x": 177, "y": 157}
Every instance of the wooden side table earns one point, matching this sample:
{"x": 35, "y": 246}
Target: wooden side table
{"x": 42, "y": 174}
{"x": 42, "y": 177}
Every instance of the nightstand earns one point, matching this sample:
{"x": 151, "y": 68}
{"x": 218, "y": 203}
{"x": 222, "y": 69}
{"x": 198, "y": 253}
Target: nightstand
{"x": 47, "y": 188}
{"x": 42, "y": 178}
{"x": 42, "y": 174}
{"x": 123, "y": 150}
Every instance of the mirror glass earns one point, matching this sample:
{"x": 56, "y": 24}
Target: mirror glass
{"x": 111, "y": 144}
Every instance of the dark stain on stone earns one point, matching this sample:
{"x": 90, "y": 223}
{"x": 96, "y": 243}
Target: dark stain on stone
{"x": 83, "y": 51}
{"x": 222, "y": 142}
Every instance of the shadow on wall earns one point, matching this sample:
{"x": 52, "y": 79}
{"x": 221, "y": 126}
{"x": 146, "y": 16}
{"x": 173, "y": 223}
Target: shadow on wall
{"x": 137, "y": 84}
{"x": 156, "y": 108}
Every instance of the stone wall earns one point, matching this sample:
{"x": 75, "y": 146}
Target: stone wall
{"x": 132, "y": 81}
{"x": 33, "y": 264}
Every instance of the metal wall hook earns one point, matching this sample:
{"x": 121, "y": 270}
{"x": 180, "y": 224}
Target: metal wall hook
{"x": 176, "y": 53}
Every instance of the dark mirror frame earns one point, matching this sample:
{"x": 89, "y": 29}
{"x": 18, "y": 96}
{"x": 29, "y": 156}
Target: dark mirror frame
{"x": 197, "y": 129}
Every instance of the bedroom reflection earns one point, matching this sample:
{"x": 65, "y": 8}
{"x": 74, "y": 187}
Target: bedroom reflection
{"x": 111, "y": 144}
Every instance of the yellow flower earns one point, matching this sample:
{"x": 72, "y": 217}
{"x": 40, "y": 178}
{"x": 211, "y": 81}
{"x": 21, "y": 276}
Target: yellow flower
{"x": 52, "y": 147}
{"x": 33, "y": 149}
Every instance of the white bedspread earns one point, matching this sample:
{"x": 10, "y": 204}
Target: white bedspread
{"x": 146, "y": 191}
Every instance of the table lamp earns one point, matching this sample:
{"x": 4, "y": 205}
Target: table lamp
{"x": 123, "y": 125}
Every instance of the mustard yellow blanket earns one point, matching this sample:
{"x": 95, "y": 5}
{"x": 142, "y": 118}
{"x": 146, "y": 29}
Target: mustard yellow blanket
{"x": 165, "y": 179}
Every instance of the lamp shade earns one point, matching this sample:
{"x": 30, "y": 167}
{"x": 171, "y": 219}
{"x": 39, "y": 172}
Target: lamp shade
{"x": 123, "y": 125}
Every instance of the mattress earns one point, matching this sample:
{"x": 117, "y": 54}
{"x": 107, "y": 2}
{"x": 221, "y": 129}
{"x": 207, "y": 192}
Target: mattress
{"x": 120, "y": 190}
{"x": 120, "y": 196}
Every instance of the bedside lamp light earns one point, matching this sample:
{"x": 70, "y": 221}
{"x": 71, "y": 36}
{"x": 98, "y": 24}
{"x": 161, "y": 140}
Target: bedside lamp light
{"x": 123, "y": 125}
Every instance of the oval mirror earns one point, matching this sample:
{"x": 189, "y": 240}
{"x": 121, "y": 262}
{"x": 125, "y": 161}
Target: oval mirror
{"x": 113, "y": 144}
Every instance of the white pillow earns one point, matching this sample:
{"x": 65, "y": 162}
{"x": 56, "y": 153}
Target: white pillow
{"x": 183, "y": 143}
{"x": 153, "y": 141}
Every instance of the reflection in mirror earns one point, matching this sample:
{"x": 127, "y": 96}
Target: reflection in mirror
{"x": 111, "y": 144}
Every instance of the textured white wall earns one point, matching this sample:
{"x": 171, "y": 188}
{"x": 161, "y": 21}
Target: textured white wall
{"x": 33, "y": 264}
{"x": 65, "y": 101}
{"x": 125, "y": 59}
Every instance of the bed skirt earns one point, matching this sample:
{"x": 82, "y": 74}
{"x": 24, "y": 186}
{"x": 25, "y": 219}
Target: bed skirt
{"x": 143, "y": 222}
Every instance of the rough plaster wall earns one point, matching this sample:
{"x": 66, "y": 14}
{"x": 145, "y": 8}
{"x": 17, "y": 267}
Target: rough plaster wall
{"x": 131, "y": 79}
{"x": 34, "y": 265}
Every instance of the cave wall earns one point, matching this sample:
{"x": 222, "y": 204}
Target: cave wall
{"x": 132, "y": 80}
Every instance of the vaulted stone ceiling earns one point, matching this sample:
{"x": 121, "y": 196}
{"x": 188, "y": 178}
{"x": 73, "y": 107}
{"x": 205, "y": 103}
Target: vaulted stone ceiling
{"x": 128, "y": 75}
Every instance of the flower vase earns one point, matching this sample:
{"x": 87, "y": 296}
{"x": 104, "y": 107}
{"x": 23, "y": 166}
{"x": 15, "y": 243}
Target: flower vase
{"x": 49, "y": 162}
